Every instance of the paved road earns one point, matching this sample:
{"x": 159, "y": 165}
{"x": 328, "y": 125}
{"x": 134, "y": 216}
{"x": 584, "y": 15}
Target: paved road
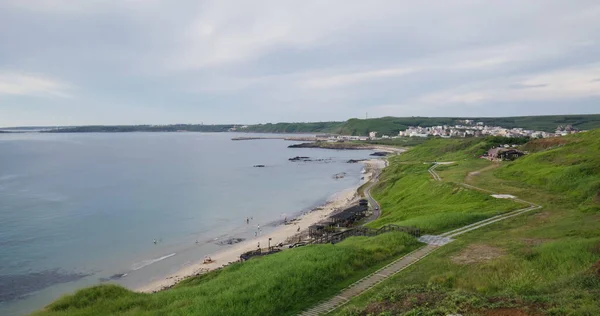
{"x": 433, "y": 243}
{"x": 374, "y": 204}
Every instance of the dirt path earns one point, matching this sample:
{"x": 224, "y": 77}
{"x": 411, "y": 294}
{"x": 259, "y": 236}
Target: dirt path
{"x": 472, "y": 174}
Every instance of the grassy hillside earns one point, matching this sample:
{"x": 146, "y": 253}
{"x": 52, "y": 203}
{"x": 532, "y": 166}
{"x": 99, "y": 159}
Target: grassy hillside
{"x": 317, "y": 127}
{"x": 410, "y": 198}
{"x": 142, "y": 128}
{"x": 392, "y": 125}
{"x": 279, "y": 284}
{"x": 541, "y": 263}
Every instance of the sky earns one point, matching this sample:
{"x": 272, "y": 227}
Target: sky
{"x": 79, "y": 62}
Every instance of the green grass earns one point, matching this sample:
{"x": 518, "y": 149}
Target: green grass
{"x": 549, "y": 260}
{"x": 280, "y": 284}
{"x": 410, "y": 197}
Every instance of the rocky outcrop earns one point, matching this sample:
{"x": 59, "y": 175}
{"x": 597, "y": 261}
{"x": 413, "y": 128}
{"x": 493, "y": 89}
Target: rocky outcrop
{"x": 355, "y": 160}
{"x": 380, "y": 153}
{"x": 230, "y": 241}
{"x": 308, "y": 159}
{"x": 299, "y": 158}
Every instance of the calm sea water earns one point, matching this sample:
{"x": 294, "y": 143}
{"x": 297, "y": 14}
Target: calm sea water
{"x": 78, "y": 209}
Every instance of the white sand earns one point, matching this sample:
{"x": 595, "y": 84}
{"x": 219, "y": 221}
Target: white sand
{"x": 279, "y": 235}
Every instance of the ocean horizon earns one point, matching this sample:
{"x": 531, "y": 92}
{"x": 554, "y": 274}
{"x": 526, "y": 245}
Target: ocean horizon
{"x": 129, "y": 208}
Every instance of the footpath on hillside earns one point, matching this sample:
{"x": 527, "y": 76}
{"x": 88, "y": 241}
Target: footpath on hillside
{"x": 432, "y": 242}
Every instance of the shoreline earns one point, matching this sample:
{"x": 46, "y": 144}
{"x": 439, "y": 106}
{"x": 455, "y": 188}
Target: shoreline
{"x": 350, "y": 146}
{"x": 281, "y": 234}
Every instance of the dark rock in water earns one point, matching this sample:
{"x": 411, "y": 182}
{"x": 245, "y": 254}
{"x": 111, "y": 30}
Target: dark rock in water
{"x": 339, "y": 175}
{"x": 299, "y": 158}
{"x": 113, "y": 277}
{"x": 355, "y": 160}
{"x": 13, "y": 287}
{"x": 303, "y": 145}
{"x": 380, "y": 153}
{"x": 307, "y": 159}
{"x": 259, "y": 166}
{"x": 230, "y": 241}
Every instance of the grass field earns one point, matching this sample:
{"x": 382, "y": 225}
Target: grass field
{"x": 541, "y": 263}
{"x": 280, "y": 284}
{"x": 409, "y": 197}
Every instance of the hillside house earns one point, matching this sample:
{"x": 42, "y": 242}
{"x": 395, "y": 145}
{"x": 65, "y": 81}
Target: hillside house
{"x": 500, "y": 153}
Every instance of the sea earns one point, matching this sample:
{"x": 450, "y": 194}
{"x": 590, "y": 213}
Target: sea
{"x": 78, "y": 210}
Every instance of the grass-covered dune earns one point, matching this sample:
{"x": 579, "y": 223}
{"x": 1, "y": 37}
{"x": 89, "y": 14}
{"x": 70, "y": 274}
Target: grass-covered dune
{"x": 279, "y": 284}
{"x": 541, "y": 263}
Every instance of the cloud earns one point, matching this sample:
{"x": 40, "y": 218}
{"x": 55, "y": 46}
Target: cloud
{"x": 280, "y": 60}
{"x": 356, "y": 77}
{"x": 569, "y": 83}
{"x": 528, "y": 86}
{"x": 20, "y": 84}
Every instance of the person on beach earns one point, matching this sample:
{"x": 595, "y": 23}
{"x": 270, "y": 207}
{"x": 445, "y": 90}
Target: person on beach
{"x": 298, "y": 229}
{"x": 255, "y": 234}
{"x": 247, "y": 221}
{"x": 155, "y": 241}
{"x": 258, "y": 245}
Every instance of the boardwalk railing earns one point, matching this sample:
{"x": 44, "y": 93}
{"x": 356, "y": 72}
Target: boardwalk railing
{"x": 365, "y": 231}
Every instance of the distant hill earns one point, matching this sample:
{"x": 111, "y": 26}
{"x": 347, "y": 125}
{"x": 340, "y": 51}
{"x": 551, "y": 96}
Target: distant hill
{"x": 358, "y": 127}
{"x": 392, "y": 125}
{"x": 143, "y": 128}
{"x": 315, "y": 127}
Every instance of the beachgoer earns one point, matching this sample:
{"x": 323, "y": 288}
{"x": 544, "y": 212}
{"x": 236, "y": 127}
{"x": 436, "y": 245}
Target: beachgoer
{"x": 258, "y": 245}
{"x": 255, "y": 234}
{"x": 298, "y": 229}
{"x": 247, "y": 221}
{"x": 196, "y": 241}
{"x": 155, "y": 241}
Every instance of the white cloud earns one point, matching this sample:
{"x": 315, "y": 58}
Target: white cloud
{"x": 567, "y": 83}
{"x": 356, "y": 77}
{"x": 284, "y": 59}
{"x": 21, "y": 84}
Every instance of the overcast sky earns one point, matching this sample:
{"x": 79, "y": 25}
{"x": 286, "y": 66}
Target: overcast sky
{"x": 75, "y": 62}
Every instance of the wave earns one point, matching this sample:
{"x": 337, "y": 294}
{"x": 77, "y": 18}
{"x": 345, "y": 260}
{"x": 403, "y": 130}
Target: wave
{"x": 145, "y": 263}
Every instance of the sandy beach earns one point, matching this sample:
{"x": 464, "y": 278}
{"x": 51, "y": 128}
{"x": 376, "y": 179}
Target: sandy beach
{"x": 279, "y": 235}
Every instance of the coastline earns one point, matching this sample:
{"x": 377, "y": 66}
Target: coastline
{"x": 349, "y": 146}
{"x": 280, "y": 234}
